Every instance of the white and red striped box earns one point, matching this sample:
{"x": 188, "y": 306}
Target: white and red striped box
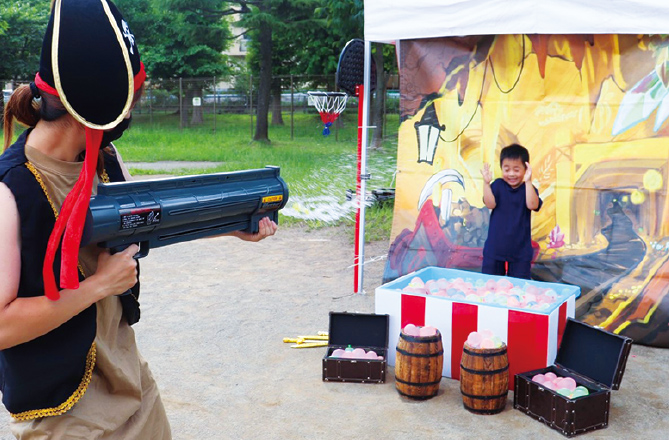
{"x": 532, "y": 337}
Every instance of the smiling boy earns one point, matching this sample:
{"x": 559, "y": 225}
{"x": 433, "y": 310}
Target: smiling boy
{"x": 511, "y": 200}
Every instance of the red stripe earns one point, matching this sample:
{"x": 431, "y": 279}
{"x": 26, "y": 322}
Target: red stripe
{"x": 465, "y": 321}
{"x": 413, "y": 310}
{"x": 527, "y": 342}
{"x": 562, "y": 322}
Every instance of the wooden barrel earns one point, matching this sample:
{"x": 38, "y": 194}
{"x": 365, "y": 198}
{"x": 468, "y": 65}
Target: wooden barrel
{"x": 484, "y": 379}
{"x": 418, "y": 366}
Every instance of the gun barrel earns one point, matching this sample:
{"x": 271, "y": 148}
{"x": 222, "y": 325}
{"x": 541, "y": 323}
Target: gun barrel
{"x": 159, "y": 212}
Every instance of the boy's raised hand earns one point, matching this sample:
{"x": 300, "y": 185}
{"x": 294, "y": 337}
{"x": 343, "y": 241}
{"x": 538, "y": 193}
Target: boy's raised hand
{"x": 486, "y": 172}
{"x": 528, "y": 173}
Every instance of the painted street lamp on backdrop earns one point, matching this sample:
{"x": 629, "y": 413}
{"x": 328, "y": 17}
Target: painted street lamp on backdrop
{"x": 427, "y": 132}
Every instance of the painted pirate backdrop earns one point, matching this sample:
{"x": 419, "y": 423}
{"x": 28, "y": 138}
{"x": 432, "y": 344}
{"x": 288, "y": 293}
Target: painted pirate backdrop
{"x": 592, "y": 110}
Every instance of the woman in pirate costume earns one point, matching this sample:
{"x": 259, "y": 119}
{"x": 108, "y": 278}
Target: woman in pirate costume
{"x": 69, "y": 364}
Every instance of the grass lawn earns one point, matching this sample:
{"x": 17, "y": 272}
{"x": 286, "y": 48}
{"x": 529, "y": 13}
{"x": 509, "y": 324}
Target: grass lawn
{"x": 318, "y": 169}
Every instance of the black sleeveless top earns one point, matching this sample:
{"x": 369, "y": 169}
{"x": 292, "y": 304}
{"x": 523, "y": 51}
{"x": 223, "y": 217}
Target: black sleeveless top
{"x": 47, "y": 375}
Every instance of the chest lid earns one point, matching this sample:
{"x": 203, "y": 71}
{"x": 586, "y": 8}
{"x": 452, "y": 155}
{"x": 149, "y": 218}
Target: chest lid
{"x": 593, "y": 352}
{"x": 358, "y": 329}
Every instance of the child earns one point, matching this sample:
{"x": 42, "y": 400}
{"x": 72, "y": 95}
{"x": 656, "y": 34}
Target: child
{"x": 511, "y": 200}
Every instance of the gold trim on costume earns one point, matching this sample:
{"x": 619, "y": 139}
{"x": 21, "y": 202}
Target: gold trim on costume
{"x": 38, "y": 177}
{"x": 69, "y": 403}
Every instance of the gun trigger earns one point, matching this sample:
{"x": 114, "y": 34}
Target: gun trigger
{"x": 143, "y": 250}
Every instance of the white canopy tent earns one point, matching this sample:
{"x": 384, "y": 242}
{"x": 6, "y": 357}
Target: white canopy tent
{"x": 387, "y": 21}
{"x": 391, "y": 20}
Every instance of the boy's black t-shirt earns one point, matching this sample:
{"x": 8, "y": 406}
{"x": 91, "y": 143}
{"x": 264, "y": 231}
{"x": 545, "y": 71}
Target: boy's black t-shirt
{"x": 509, "y": 233}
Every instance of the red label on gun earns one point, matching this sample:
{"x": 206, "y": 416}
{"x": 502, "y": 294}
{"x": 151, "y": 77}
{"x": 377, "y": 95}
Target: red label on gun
{"x": 139, "y": 217}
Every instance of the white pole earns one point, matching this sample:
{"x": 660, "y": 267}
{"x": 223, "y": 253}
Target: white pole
{"x": 363, "y": 164}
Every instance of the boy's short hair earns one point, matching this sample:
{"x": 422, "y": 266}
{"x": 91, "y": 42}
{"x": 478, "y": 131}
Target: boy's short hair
{"x": 514, "y": 151}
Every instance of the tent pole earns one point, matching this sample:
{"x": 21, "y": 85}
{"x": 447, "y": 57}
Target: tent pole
{"x": 363, "y": 140}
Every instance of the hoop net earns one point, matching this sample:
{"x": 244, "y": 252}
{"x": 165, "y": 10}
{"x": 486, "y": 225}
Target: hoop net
{"x": 329, "y": 106}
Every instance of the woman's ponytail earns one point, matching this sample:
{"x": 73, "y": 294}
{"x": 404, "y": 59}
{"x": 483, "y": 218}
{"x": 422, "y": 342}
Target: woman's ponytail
{"x": 22, "y": 107}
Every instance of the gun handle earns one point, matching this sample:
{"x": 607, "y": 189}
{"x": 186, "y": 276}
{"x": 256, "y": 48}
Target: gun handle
{"x": 143, "y": 252}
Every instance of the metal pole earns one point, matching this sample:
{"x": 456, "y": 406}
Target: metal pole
{"x": 150, "y": 107}
{"x": 181, "y": 105}
{"x": 251, "y": 102}
{"x": 292, "y": 110}
{"x": 215, "y": 99}
{"x": 362, "y": 171}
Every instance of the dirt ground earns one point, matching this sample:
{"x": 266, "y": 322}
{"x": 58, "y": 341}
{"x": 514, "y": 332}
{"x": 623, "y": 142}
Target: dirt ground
{"x": 214, "y": 313}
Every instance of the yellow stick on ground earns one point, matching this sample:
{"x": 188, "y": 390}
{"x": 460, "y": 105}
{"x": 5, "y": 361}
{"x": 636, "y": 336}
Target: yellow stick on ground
{"x": 294, "y": 340}
{"x": 316, "y": 337}
{"x": 310, "y": 344}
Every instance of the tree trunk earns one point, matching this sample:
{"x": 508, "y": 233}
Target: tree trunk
{"x": 277, "y": 117}
{"x": 185, "y": 105}
{"x": 265, "y": 82}
{"x": 379, "y": 102}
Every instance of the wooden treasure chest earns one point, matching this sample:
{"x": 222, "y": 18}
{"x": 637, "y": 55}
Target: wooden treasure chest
{"x": 357, "y": 348}
{"x": 595, "y": 360}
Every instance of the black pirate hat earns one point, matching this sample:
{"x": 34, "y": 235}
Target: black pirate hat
{"x": 91, "y": 62}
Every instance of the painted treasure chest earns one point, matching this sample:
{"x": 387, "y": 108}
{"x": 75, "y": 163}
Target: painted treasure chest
{"x": 573, "y": 396}
{"x": 357, "y": 348}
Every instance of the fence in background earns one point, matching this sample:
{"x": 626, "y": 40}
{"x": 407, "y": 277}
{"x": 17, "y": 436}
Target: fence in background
{"x": 190, "y": 102}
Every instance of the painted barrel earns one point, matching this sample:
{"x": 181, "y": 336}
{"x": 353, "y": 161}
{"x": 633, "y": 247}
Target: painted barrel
{"x": 484, "y": 379}
{"x": 418, "y": 366}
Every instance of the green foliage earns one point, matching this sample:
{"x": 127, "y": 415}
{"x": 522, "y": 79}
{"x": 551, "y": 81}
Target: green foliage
{"x": 179, "y": 38}
{"x": 22, "y": 26}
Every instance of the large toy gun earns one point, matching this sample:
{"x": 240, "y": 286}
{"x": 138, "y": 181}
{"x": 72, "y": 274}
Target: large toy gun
{"x": 159, "y": 212}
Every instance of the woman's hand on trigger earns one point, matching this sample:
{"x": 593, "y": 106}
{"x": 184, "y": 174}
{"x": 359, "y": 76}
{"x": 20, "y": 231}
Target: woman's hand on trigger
{"x": 486, "y": 172}
{"x": 266, "y": 228}
{"x": 117, "y": 273}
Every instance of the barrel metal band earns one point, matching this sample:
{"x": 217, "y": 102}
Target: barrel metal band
{"x": 421, "y": 338}
{"x": 469, "y": 370}
{"x": 415, "y": 384}
{"x": 474, "y": 353}
{"x": 483, "y": 411}
{"x": 472, "y": 396}
{"x": 417, "y": 397}
{"x": 420, "y": 355}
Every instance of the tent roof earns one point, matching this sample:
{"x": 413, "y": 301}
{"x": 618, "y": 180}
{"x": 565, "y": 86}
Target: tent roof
{"x": 390, "y": 20}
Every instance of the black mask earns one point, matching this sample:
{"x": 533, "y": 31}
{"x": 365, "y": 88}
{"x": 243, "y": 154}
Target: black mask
{"x": 110, "y": 136}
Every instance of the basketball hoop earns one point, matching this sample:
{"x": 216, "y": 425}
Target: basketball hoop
{"x": 329, "y": 106}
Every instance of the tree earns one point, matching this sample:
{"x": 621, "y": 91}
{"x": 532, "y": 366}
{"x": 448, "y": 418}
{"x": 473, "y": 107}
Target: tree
{"x": 22, "y": 27}
{"x": 181, "y": 38}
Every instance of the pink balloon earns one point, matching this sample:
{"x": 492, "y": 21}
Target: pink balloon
{"x": 411, "y": 330}
{"x": 474, "y": 339}
{"x": 491, "y": 285}
{"x": 539, "y": 378}
{"x": 371, "y": 354}
{"x": 337, "y": 353}
{"x": 487, "y": 343}
{"x": 550, "y": 376}
{"x": 504, "y": 284}
{"x": 417, "y": 282}
{"x": 359, "y": 353}
{"x": 486, "y": 333}
{"x": 568, "y": 382}
{"x": 549, "y": 385}
{"x": 427, "y": 331}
